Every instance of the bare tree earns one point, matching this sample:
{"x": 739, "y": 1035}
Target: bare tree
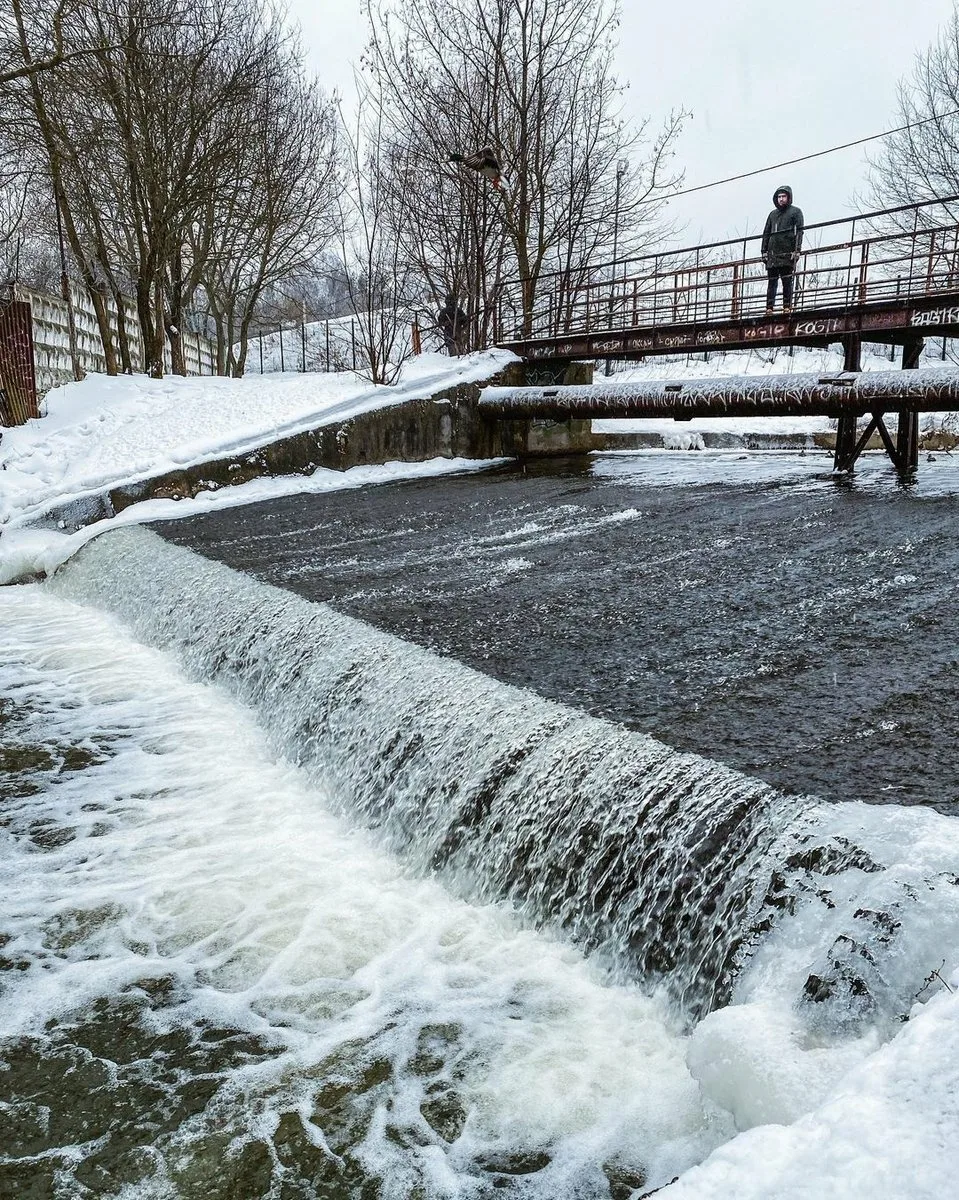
{"x": 921, "y": 161}
{"x": 378, "y": 271}
{"x": 16, "y": 210}
{"x": 533, "y": 79}
{"x": 175, "y": 88}
{"x": 36, "y": 31}
{"x": 188, "y": 156}
{"x": 56, "y": 52}
{"x": 273, "y": 217}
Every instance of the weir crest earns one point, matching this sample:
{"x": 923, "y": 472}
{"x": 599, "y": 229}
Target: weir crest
{"x": 670, "y": 866}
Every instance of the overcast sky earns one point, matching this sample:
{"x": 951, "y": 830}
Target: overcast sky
{"x": 766, "y": 81}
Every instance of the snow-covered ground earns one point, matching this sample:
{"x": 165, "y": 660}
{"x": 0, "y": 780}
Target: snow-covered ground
{"x": 106, "y": 432}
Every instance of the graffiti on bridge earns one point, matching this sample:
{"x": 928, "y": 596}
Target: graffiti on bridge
{"x": 936, "y": 316}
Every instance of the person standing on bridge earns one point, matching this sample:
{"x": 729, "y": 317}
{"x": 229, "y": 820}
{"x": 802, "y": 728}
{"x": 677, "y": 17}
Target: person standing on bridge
{"x": 782, "y": 242}
{"x": 453, "y": 325}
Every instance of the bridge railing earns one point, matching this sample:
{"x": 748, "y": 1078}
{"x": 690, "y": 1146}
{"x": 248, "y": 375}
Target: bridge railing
{"x": 874, "y": 257}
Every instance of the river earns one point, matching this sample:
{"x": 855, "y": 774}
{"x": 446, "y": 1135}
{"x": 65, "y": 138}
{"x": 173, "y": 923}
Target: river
{"x": 531, "y": 834}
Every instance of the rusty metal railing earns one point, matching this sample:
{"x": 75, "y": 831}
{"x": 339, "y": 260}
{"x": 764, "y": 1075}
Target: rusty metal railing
{"x": 889, "y": 255}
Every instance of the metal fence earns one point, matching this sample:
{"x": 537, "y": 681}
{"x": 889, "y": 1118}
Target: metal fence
{"x": 875, "y": 257}
{"x": 338, "y": 343}
{"x": 18, "y": 392}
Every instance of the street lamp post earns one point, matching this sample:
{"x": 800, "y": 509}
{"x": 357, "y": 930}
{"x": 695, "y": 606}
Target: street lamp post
{"x": 621, "y": 168}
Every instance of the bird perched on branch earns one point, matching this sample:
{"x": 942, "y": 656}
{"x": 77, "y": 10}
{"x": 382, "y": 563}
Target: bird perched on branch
{"x": 484, "y": 161}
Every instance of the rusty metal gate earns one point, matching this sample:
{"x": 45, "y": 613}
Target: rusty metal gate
{"x": 18, "y": 387}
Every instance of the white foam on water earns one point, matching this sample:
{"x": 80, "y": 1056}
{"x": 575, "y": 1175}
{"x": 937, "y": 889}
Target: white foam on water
{"x": 195, "y": 855}
{"x": 210, "y": 861}
{"x": 885, "y": 1130}
{"x": 866, "y": 1110}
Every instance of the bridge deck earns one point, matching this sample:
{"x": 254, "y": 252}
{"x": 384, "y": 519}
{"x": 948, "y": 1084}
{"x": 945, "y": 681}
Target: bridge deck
{"x": 890, "y": 276}
{"x": 897, "y": 322}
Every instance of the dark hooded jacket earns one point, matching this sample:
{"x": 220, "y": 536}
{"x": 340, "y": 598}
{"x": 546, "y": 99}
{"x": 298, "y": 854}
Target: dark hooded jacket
{"x": 782, "y": 237}
{"x": 452, "y": 320}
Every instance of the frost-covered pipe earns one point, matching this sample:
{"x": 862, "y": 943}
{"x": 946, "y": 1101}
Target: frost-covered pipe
{"x": 832, "y": 395}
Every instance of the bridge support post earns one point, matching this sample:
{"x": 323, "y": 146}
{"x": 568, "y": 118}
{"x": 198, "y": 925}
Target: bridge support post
{"x": 907, "y": 443}
{"x": 907, "y": 435}
{"x": 904, "y": 452}
{"x": 846, "y": 452}
{"x": 911, "y": 353}
{"x": 852, "y": 352}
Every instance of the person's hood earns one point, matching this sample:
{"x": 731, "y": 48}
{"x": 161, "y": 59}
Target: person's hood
{"x": 783, "y": 187}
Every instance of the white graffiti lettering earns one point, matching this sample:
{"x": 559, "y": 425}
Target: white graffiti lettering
{"x": 887, "y": 391}
{"x": 766, "y": 331}
{"x": 936, "y": 316}
{"x": 814, "y": 328}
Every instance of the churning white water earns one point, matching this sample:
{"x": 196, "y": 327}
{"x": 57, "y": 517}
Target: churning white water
{"x": 180, "y": 852}
{"x": 260, "y": 952}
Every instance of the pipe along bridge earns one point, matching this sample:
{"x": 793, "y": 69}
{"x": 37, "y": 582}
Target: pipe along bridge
{"x": 847, "y": 396}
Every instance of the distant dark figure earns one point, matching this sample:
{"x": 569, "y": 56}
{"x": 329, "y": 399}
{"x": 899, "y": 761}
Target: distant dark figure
{"x": 484, "y": 161}
{"x": 451, "y": 321}
{"x": 782, "y": 242}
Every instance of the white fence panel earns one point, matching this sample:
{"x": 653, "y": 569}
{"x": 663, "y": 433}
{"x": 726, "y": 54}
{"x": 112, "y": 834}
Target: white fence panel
{"x": 51, "y": 338}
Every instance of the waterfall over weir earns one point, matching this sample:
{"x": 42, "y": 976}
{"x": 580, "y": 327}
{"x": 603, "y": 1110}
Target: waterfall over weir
{"x": 659, "y": 860}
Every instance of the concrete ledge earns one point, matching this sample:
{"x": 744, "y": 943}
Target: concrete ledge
{"x": 756, "y": 440}
{"x": 703, "y": 439}
{"x": 447, "y": 425}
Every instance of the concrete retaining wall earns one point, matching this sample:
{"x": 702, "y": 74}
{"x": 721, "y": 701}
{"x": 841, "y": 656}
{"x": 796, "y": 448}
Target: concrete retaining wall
{"x": 448, "y": 425}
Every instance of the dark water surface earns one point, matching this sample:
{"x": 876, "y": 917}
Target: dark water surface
{"x": 754, "y": 609}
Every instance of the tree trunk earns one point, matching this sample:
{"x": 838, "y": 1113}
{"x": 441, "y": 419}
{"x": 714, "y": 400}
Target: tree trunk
{"x": 174, "y": 323}
{"x": 239, "y": 365}
{"x": 123, "y": 340}
{"x": 99, "y": 302}
{"x": 150, "y": 316}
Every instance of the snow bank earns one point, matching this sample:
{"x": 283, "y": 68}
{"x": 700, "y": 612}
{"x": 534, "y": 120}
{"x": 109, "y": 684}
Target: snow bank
{"x": 106, "y": 432}
{"x": 887, "y": 1131}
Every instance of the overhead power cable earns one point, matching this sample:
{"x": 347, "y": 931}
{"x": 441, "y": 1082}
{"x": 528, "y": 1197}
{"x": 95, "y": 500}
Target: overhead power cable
{"x": 819, "y": 154}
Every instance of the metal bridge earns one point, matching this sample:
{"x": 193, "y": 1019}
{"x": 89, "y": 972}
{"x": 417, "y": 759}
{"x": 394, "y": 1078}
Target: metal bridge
{"x": 887, "y": 276}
